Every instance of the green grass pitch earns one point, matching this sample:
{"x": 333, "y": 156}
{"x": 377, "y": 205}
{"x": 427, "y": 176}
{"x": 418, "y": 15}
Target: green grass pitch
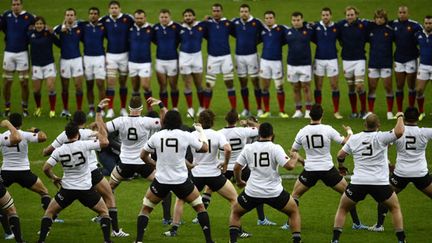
{"x": 318, "y": 206}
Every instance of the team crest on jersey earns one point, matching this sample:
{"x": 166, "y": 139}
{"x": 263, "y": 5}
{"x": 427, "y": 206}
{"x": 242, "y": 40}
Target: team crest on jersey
{"x": 125, "y": 20}
{"x": 157, "y": 28}
{"x": 173, "y": 27}
{"x": 386, "y": 34}
{"x": 237, "y": 22}
{"x": 148, "y": 30}
{"x": 26, "y": 17}
{"x": 181, "y": 32}
{"x": 360, "y": 26}
{"x": 78, "y": 32}
{"x": 304, "y": 32}
{"x": 277, "y": 29}
{"x": 409, "y": 28}
{"x": 200, "y": 29}
{"x": 318, "y": 28}
{"x": 33, "y": 35}
{"x": 107, "y": 20}
{"x": 253, "y": 24}
{"x": 334, "y": 30}
{"x": 289, "y": 33}
{"x": 226, "y": 24}
{"x": 45, "y": 33}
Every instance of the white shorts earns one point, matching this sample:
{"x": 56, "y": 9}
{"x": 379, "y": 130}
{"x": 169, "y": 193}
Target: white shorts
{"x": 47, "y": 71}
{"x": 329, "y": 67}
{"x": 407, "y": 67}
{"x": 94, "y": 67}
{"x": 424, "y": 72}
{"x": 190, "y": 62}
{"x": 219, "y": 64}
{"x": 247, "y": 65}
{"x": 15, "y": 61}
{"x": 143, "y": 70}
{"x": 354, "y": 68}
{"x": 380, "y": 72}
{"x": 168, "y": 67}
{"x": 117, "y": 61}
{"x": 71, "y": 67}
{"x": 270, "y": 69}
{"x": 299, "y": 73}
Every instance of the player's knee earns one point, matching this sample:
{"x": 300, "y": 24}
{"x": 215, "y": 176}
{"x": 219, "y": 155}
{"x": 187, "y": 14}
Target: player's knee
{"x": 228, "y": 76}
{"x": 23, "y": 75}
{"x": 196, "y": 202}
{"x": 211, "y": 80}
{"x": 123, "y": 73}
{"x": 8, "y": 205}
{"x": 111, "y": 73}
{"x": 278, "y": 83}
{"x": 148, "y": 203}
{"x": 241, "y": 75}
{"x": 8, "y": 76}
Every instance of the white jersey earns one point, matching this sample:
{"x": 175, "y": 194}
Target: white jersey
{"x": 84, "y": 134}
{"x": 263, "y": 159}
{"x": 133, "y": 132}
{"x": 316, "y": 140}
{"x": 170, "y": 147}
{"x": 206, "y": 164}
{"x": 15, "y": 157}
{"x": 73, "y": 157}
{"x": 237, "y": 137}
{"x": 411, "y": 147}
{"x": 369, "y": 150}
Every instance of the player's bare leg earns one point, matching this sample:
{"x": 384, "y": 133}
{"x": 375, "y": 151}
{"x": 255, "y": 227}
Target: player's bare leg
{"x": 41, "y": 189}
{"x": 24, "y": 82}
{"x": 234, "y": 221}
{"x": 197, "y": 79}
{"x": 146, "y": 86}
{"x": 37, "y": 86}
{"x": 340, "y": 187}
{"x": 297, "y": 99}
{"x": 110, "y": 90}
{"x": 176, "y": 221}
{"x": 421, "y": 86}
{"x": 411, "y": 82}
{"x": 318, "y": 88}
{"x": 79, "y": 91}
{"x": 115, "y": 179}
{"x": 90, "y": 96}
{"x": 298, "y": 190}
{"x": 149, "y": 202}
{"x": 334, "y": 85}
{"x": 7, "y": 87}
{"x": 229, "y": 83}
{"x": 291, "y": 209}
{"x": 428, "y": 191}
{"x": 173, "y": 82}
{"x": 245, "y": 95}
{"x": 361, "y": 92}
{"x": 400, "y": 85}
{"x": 105, "y": 221}
{"x": 352, "y": 97}
{"x": 257, "y": 92}
{"x": 65, "y": 97}
{"x": 345, "y": 205}
{"x": 188, "y": 80}
{"x": 393, "y": 205}
{"x": 9, "y": 210}
{"x": 388, "y": 87}
{"x": 163, "y": 88}
{"x": 372, "y": 84}
{"x": 52, "y": 96}
{"x": 194, "y": 199}
{"x": 265, "y": 94}
{"x": 47, "y": 220}
{"x": 308, "y": 97}
{"x": 136, "y": 85}
{"x": 228, "y": 192}
{"x": 100, "y": 84}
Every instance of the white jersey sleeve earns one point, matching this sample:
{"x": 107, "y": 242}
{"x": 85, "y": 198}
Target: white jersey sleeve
{"x": 386, "y": 138}
{"x": 280, "y": 156}
{"x": 59, "y": 140}
{"x": 335, "y": 135}
{"x": 4, "y": 140}
{"x": 114, "y": 125}
{"x": 15, "y": 157}
{"x": 30, "y": 137}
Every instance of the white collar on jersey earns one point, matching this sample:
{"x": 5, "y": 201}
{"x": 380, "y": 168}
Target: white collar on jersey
{"x": 325, "y": 27}
{"x": 168, "y": 25}
{"x": 427, "y": 35}
{"x": 118, "y": 17}
{"x": 190, "y": 26}
{"x": 273, "y": 26}
{"x": 248, "y": 20}
{"x": 142, "y": 27}
{"x": 21, "y": 13}
{"x": 74, "y": 25}
{"x": 217, "y": 21}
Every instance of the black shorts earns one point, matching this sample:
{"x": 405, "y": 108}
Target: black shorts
{"x": 128, "y": 170}
{"x": 249, "y": 203}
{"x": 229, "y": 174}
{"x": 419, "y": 182}
{"x": 2, "y": 190}
{"x": 330, "y": 177}
{"x": 358, "y": 192}
{"x": 88, "y": 198}
{"x": 24, "y": 178}
{"x": 214, "y": 183}
{"x": 97, "y": 176}
{"x": 180, "y": 190}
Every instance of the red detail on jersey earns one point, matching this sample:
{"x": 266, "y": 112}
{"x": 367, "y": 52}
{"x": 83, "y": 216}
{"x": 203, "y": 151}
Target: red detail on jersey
{"x": 173, "y": 27}
{"x": 361, "y": 26}
{"x": 226, "y": 24}
{"x": 277, "y": 29}
{"x": 334, "y": 30}
{"x": 200, "y": 28}
{"x": 78, "y": 32}
{"x": 409, "y": 28}
{"x": 125, "y": 20}
{"x": 304, "y": 32}
{"x": 26, "y": 17}
{"x": 386, "y": 34}
{"x": 148, "y": 30}
{"x": 253, "y": 24}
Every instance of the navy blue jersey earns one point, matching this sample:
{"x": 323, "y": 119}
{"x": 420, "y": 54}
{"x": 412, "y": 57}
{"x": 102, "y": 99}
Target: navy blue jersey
{"x": 92, "y": 38}
{"x": 167, "y": 39}
{"x": 406, "y": 43}
{"x": 69, "y": 40}
{"x": 140, "y": 39}
{"x": 299, "y": 51}
{"x": 217, "y": 36}
{"x": 352, "y": 38}
{"x": 41, "y": 43}
{"x": 1, "y": 22}
{"x": 247, "y": 35}
{"x": 15, "y": 28}
{"x": 191, "y": 37}
{"x": 325, "y": 38}
{"x": 424, "y": 41}
{"x": 380, "y": 38}
{"x": 273, "y": 40}
{"x": 117, "y": 31}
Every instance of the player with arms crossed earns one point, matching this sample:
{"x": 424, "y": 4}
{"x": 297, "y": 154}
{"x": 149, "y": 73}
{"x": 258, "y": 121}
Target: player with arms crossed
{"x": 76, "y": 182}
{"x": 411, "y": 163}
{"x": 371, "y": 173}
{"x": 170, "y": 145}
{"x": 316, "y": 139}
{"x": 265, "y": 184}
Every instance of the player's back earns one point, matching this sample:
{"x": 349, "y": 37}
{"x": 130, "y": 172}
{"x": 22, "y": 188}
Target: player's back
{"x": 411, "y": 147}
{"x": 15, "y": 157}
{"x": 237, "y": 138}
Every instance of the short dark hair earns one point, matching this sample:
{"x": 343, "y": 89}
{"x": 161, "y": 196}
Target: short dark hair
{"x": 165, "y": 10}
{"x": 172, "y": 120}
{"x": 232, "y": 117}
{"x": 428, "y": 17}
{"x": 71, "y": 130}
{"x": 411, "y": 114}
{"x": 71, "y": 9}
{"x": 217, "y": 5}
{"x": 40, "y": 18}
{"x": 356, "y": 11}
{"x": 316, "y": 112}
{"x": 21, "y": 1}
{"x": 270, "y": 12}
{"x": 15, "y": 119}
{"x": 94, "y": 9}
{"x": 140, "y": 11}
{"x": 189, "y": 10}
{"x": 326, "y": 9}
{"x": 381, "y": 13}
{"x": 245, "y": 6}
{"x": 206, "y": 118}
{"x": 114, "y": 2}
{"x": 265, "y": 130}
{"x": 79, "y": 118}
{"x": 297, "y": 14}
{"x": 135, "y": 102}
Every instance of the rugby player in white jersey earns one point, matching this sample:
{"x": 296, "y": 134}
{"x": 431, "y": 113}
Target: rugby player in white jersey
{"x": 316, "y": 139}
{"x": 98, "y": 180}
{"x": 6, "y": 201}
{"x": 264, "y": 185}
{"x": 371, "y": 173}
{"x": 76, "y": 183}
{"x": 170, "y": 146}
{"x": 411, "y": 163}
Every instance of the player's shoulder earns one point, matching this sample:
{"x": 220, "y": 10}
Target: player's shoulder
{"x": 411, "y": 21}
{"x": 7, "y": 13}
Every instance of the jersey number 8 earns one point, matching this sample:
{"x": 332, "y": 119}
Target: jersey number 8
{"x": 263, "y": 159}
